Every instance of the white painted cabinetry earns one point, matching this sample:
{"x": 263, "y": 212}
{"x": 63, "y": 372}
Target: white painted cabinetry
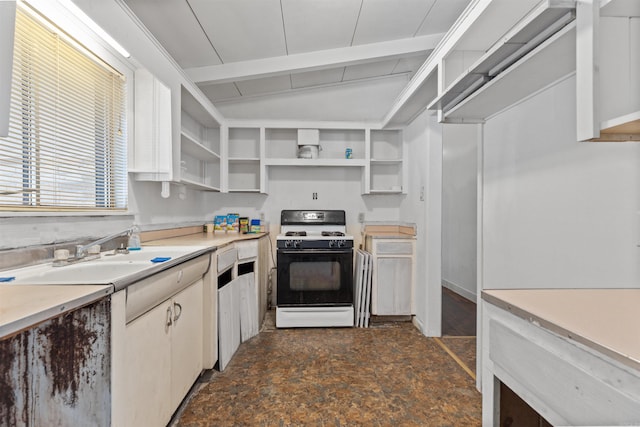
{"x": 387, "y": 173}
{"x": 563, "y": 379}
{"x": 151, "y": 157}
{"x": 199, "y": 145}
{"x": 7, "y": 26}
{"x": 253, "y": 151}
{"x": 158, "y": 354}
{"x": 194, "y": 160}
{"x": 498, "y": 53}
{"x": 243, "y": 160}
{"x": 608, "y": 65}
{"x": 164, "y": 357}
{"x": 228, "y": 315}
{"x": 393, "y": 283}
{"x": 186, "y": 341}
{"x": 148, "y": 368}
{"x": 238, "y": 297}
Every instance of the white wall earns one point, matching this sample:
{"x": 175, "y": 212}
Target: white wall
{"x": 146, "y": 208}
{"x": 459, "y": 208}
{"x": 292, "y": 188}
{"x": 425, "y": 171}
{"x": 152, "y": 211}
{"x": 558, "y": 213}
{"x": 365, "y": 100}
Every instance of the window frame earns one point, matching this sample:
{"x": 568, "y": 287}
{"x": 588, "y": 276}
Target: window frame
{"x": 69, "y": 27}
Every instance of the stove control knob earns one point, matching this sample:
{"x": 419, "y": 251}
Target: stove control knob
{"x": 288, "y": 243}
{"x": 340, "y": 243}
{"x": 296, "y": 243}
{"x": 332, "y": 243}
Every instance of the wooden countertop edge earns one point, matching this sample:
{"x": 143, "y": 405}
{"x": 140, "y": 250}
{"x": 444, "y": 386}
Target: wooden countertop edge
{"x": 20, "y": 324}
{"x": 213, "y": 240}
{"x": 625, "y": 359}
{"x": 389, "y": 235}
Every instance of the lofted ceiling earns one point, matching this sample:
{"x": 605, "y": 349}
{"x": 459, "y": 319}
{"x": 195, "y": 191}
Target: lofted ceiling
{"x": 268, "y": 58}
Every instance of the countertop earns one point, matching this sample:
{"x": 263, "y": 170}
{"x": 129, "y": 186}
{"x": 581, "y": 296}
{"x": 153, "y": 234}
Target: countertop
{"x": 389, "y": 230}
{"x": 213, "y": 240}
{"x": 22, "y": 306}
{"x": 605, "y": 320}
{"x": 389, "y": 235}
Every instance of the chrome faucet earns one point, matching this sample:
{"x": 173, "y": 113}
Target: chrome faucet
{"x": 81, "y": 250}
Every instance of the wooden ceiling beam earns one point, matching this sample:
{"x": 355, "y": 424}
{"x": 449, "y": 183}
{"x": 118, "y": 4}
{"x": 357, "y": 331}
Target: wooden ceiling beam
{"x": 312, "y": 61}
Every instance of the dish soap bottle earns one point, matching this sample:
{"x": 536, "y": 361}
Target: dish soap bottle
{"x": 134, "y": 239}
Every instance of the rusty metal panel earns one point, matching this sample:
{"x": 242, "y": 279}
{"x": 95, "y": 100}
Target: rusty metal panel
{"x": 58, "y": 373}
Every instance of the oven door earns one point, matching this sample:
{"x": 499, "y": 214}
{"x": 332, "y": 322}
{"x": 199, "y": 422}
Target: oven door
{"x": 315, "y": 277}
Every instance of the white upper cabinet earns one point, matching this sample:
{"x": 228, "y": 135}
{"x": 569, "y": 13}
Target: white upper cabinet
{"x": 388, "y": 157}
{"x": 250, "y": 151}
{"x": 496, "y": 54}
{"x": 243, "y": 160}
{"x": 200, "y": 166}
{"x": 7, "y": 25}
{"x": 608, "y": 52}
{"x": 509, "y": 51}
{"x": 152, "y": 153}
{"x": 195, "y": 161}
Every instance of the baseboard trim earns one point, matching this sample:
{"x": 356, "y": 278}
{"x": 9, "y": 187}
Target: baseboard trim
{"x": 418, "y": 324}
{"x": 471, "y": 296}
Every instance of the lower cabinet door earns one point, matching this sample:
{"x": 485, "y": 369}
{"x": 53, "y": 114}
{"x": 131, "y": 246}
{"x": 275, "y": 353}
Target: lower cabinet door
{"x": 186, "y": 341}
{"x": 148, "y": 367}
{"x": 228, "y": 322}
{"x": 394, "y": 278}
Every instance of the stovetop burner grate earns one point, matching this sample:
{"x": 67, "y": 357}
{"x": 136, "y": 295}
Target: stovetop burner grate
{"x": 333, "y": 233}
{"x": 295, "y": 233}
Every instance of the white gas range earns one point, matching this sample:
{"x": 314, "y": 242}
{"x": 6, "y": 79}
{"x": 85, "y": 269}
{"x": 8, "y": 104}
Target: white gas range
{"x": 315, "y": 270}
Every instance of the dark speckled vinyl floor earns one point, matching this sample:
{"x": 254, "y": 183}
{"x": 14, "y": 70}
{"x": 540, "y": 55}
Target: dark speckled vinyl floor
{"x": 386, "y": 375}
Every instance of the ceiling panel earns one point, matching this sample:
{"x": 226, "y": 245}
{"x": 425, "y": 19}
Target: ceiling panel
{"x": 410, "y": 64}
{"x": 316, "y": 78}
{"x": 382, "y": 20}
{"x": 220, "y": 91}
{"x": 227, "y": 31}
{"x": 317, "y": 25}
{"x": 441, "y": 16}
{"x": 366, "y": 100}
{"x": 264, "y": 85}
{"x": 242, "y": 29}
{"x": 371, "y": 69}
{"x": 175, "y": 27}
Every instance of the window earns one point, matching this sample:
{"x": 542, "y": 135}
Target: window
{"x": 66, "y": 148}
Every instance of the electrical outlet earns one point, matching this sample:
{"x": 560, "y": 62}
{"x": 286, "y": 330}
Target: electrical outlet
{"x": 422, "y": 193}
{"x": 361, "y": 217}
{"x": 315, "y": 196}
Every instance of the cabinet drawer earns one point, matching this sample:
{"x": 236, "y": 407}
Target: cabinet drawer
{"x": 227, "y": 258}
{"x": 247, "y": 249}
{"x": 394, "y": 248}
{"x": 148, "y": 293}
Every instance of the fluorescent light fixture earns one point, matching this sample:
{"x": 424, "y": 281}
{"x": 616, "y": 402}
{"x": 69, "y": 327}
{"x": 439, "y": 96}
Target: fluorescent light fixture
{"x": 78, "y": 13}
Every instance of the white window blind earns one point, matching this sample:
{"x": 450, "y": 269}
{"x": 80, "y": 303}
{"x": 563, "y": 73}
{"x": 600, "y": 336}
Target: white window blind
{"x": 66, "y": 148}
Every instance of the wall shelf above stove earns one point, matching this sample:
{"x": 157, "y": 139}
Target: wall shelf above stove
{"x": 316, "y": 162}
{"x": 252, "y": 149}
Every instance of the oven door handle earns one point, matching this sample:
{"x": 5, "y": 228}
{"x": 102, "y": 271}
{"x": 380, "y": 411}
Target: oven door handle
{"x": 315, "y": 251}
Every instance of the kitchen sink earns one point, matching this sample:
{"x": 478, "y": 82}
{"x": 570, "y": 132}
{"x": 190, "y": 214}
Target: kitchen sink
{"x": 108, "y": 269}
{"x": 84, "y": 273}
{"x": 147, "y": 253}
